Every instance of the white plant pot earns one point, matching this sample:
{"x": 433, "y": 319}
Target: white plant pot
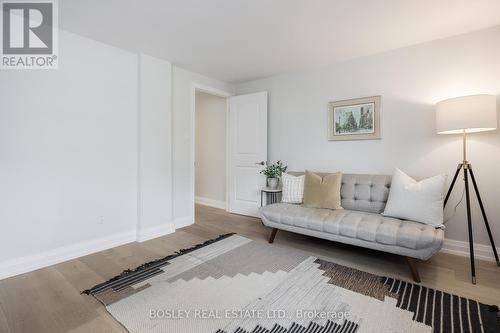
{"x": 273, "y": 183}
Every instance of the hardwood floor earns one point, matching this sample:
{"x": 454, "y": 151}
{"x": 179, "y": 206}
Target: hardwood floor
{"x": 49, "y": 300}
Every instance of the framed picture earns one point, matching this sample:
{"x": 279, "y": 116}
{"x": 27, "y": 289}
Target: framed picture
{"x": 354, "y": 119}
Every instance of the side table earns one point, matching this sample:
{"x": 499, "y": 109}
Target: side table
{"x": 272, "y": 195}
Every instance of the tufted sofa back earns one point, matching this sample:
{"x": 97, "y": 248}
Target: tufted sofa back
{"x": 366, "y": 193}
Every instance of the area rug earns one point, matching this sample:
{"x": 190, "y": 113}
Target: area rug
{"x": 235, "y": 285}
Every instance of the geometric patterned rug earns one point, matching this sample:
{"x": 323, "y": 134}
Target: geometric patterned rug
{"x": 232, "y": 284}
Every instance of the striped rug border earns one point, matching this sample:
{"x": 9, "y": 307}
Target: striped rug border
{"x": 146, "y": 270}
{"x": 329, "y": 327}
{"x": 443, "y": 311}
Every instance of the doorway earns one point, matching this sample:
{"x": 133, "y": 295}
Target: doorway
{"x": 210, "y": 149}
{"x": 235, "y": 163}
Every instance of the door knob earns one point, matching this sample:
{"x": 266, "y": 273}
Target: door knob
{"x": 261, "y": 163}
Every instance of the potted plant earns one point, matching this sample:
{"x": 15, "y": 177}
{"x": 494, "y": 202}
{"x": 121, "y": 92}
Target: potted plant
{"x": 273, "y": 172}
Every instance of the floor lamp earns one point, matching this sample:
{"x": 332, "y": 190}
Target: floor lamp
{"x": 464, "y": 115}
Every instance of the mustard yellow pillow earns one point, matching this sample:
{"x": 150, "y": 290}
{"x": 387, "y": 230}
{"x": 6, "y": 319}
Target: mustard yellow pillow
{"x": 322, "y": 190}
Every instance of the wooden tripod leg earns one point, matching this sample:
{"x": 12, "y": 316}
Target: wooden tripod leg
{"x": 273, "y": 234}
{"x": 413, "y": 269}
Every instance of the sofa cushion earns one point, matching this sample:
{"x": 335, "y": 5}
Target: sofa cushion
{"x": 368, "y": 227}
{"x": 322, "y": 191}
{"x": 420, "y": 201}
{"x": 367, "y": 193}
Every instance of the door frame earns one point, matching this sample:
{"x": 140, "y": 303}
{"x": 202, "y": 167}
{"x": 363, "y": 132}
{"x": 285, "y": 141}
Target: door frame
{"x": 192, "y": 154}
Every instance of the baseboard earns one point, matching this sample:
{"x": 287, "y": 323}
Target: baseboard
{"x": 30, "y": 263}
{"x": 460, "y": 248}
{"x": 181, "y": 222}
{"x": 154, "y": 232}
{"x": 210, "y": 202}
{"x": 48, "y": 258}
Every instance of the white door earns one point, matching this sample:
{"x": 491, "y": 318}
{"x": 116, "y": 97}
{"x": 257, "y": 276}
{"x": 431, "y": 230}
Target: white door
{"x": 247, "y": 151}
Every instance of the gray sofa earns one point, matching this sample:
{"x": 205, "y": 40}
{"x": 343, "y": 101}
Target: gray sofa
{"x": 360, "y": 223}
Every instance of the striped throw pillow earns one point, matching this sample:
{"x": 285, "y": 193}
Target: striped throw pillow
{"x": 293, "y": 188}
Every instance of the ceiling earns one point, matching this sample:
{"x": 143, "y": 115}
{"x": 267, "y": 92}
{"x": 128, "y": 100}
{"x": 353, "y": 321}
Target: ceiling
{"x": 241, "y": 40}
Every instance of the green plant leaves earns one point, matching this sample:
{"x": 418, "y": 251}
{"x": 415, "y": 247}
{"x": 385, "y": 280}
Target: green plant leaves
{"x": 274, "y": 170}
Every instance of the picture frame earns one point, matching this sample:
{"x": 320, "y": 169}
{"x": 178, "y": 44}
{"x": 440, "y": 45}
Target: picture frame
{"x": 354, "y": 119}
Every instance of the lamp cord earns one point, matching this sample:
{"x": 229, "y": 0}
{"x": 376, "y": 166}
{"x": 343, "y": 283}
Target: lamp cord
{"x": 455, "y": 208}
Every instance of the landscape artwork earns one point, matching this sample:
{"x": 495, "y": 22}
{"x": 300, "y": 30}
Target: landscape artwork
{"x": 356, "y": 119}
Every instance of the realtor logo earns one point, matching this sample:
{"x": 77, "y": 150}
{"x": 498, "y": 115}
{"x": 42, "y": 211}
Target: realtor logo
{"x": 29, "y": 34}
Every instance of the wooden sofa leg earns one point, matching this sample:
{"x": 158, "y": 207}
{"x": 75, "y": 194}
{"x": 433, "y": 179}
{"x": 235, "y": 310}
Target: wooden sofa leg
{"x": 273, "y": 234}
{"x": 413, "y": 269}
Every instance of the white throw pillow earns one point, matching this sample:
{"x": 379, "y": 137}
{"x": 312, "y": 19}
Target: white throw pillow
{"x": 293, "y": 188}
{"x": 420, "y": 201}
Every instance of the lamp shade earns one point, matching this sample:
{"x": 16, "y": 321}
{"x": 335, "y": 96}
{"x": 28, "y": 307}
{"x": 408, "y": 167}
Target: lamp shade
{"x": 476, "y": 113}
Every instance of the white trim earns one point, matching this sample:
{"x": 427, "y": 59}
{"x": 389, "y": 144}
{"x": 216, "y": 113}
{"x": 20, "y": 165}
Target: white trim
{"x": 210, "y": 202}
{"x": 139, "y": 193}
{"x": 460, "y": 248}
{"x": 33, "y": 262}
{"x": 213, "y": 91}
{"x": 228, "y": 147}
{"x": 182, "y": 222}
{"x": 145, "y": 234}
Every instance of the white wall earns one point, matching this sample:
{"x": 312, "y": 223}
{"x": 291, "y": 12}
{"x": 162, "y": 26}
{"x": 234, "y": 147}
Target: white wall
{"x": 68, "y": 149}
{"x": 71, "y": 170}
{"x": 155, "y": 148}
{"x": 210, "y": 147}
{"x": 411, "y": 80}
{"x": 183, "y": 102}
